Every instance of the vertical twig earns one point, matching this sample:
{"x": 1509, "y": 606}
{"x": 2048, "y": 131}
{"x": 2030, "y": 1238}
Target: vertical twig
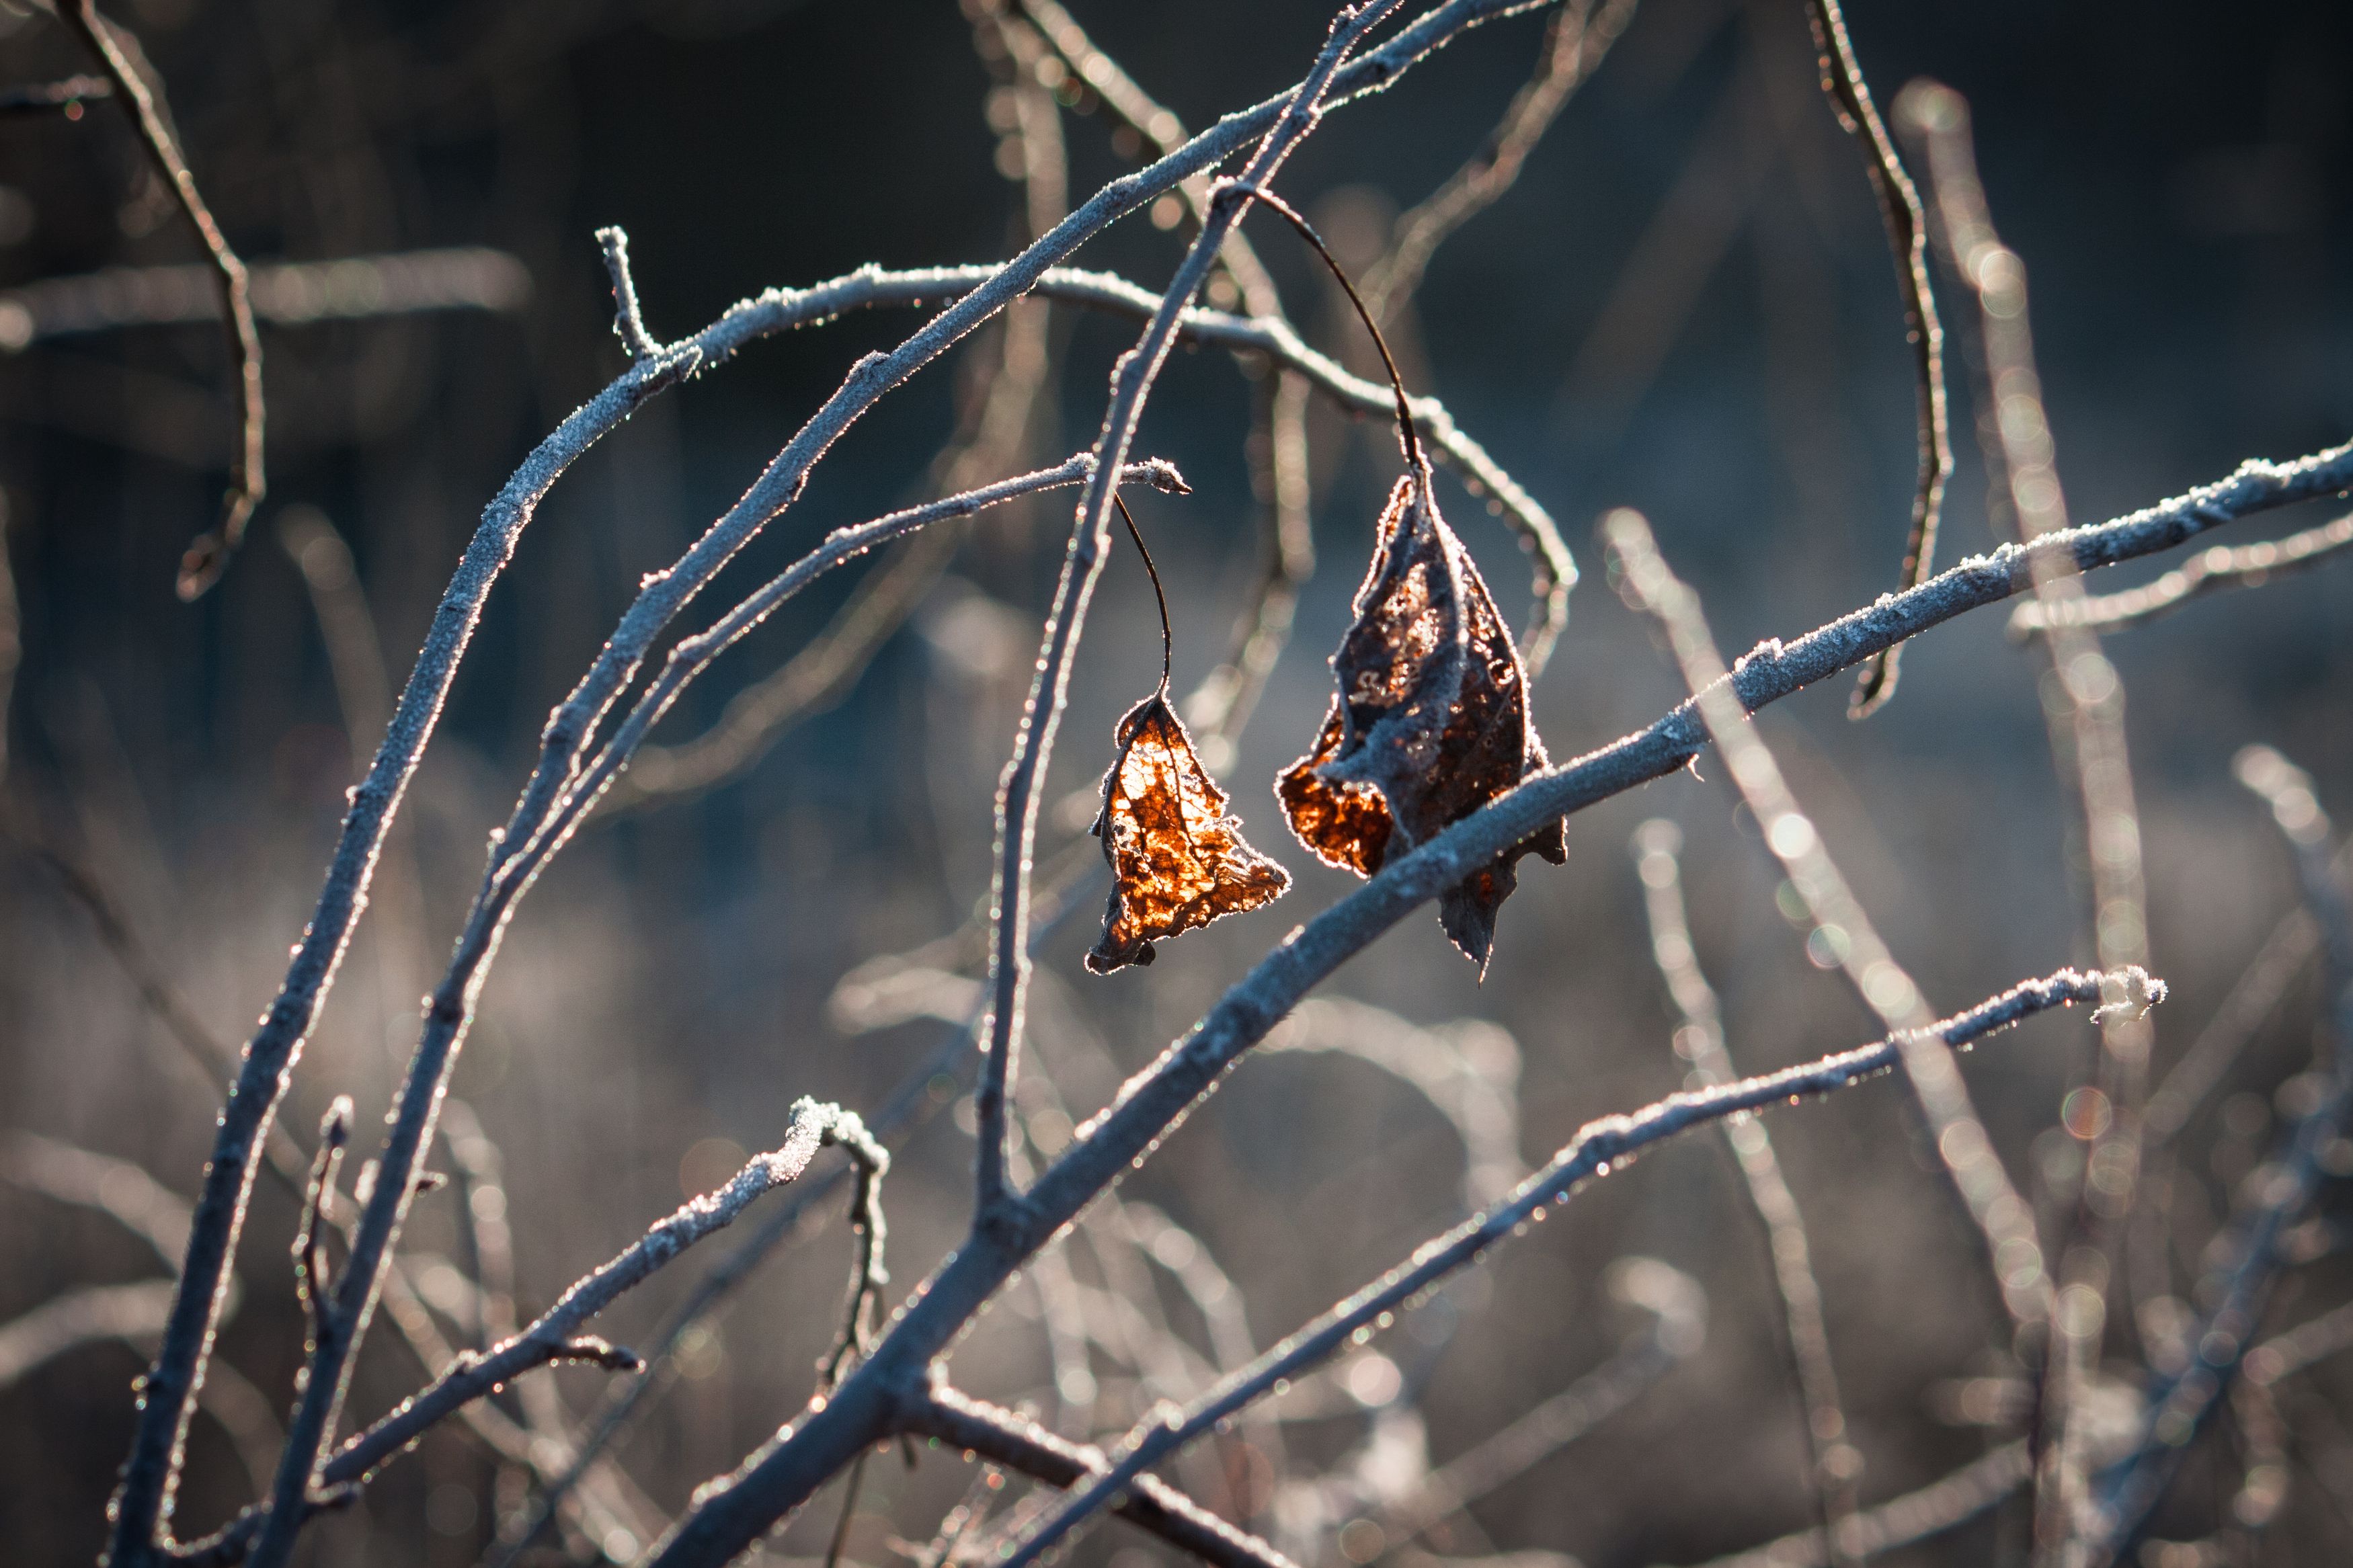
{"x": 629, "y": 320}
{"x": 1699, "y": 1042}
{"x": 1218, "y": 708}
{"x": 2239, "y": 1287}
{"x": 2087, "y": 740}
{"x": 209, "y": 555}
{"x": 1899, "y": 204}
{"x": 2003, "y": 1218}
{"x": 1018, "y": 796}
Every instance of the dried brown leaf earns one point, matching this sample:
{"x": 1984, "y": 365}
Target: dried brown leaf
{"x": 1430, "y": 722}
{"x": 1177, "y": 860}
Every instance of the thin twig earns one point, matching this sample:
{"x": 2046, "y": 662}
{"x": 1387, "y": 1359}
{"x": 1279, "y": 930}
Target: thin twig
{"x": 629, "y": 320}
{"x": 1291, "y": 215}
{"x": 2208, "y": 572}
{"x": 206, "y": 558}
{"x": 784, "y": 1472}
{"x": 286, "y": 294}
{"x": 1018, "y": 797}
{"x": 1836, "y": 1462}
{"x": 555, "y": 1335}
{"x": 1154, "y": 1506}
{"x": 2240, "y": 1286}
{"x": 1599, "y": 1148}
{"x": 311, "y": 1274}
{"x": 2086, "y": 724}
{"x": 2006, "y": 1223}
{"x": 1899, "y": 204}
{"x": 871, "y": 1162}
{"x": 1574, "y": 47}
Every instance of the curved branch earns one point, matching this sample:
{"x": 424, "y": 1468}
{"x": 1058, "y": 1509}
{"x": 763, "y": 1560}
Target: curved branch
{"x": 1597, "y": 1149}
{"x": 201, "y": 567}
{"x": 1908, "y": 233}
{"x": 1152, "y": 1103}
{"x": 1579, "y": 38}
{"x": 556, "y": 1336}
{"x": 1658, "y": 845}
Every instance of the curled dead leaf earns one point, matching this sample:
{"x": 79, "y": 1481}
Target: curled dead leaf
{"x": 1177, "y": 860}
{"x": 1431, "y": 722}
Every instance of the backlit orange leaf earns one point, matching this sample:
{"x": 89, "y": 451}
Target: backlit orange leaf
{"x": 1431, "y": 722}
{"x": 1177, "y": 860}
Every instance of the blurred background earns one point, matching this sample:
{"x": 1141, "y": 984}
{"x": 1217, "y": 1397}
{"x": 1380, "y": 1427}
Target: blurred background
{"x": 1685, "y": 305}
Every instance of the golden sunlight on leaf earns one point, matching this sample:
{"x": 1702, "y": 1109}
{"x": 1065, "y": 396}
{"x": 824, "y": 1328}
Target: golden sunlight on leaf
{"x": 1177, "y": 860}
{"x": 1430, "y": 722}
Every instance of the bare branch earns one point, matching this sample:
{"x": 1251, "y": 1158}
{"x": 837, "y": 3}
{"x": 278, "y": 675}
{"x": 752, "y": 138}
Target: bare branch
{"x": 2314, "y": 1339}
{"x": 1154, "y": 1506}
{"x": 1018, "y": 796}
{"x": 116, "y": 1188}
{"x": 1599, "y": 1148}
{"x": 286, "y": 294}
{"x": 628, "y": 320}
{"x": 311, "y": 1277}
{"x": 1700, "y": 1041}
{"x": 555, "y": 1335}
{"x": 1977, "y": 1486}
{"x": 2208, "y": 572}
{"x": 2086, "y": 724}
{"x": 201, "y": 567}
{"x": 2007, "y": 1224}
{"x": 133, "y": 1312}
{"x": 785, "y": 1471}
{"x": 535, "y": 825}
{"x": 514, "y": 867}
{"x": 871, "y": 1163}
{"x": 1574, "y": 47}
{"x": 910, "y": 1104}
{"x": 1899, "y": 204}
{"x": 2240, "y": 1286}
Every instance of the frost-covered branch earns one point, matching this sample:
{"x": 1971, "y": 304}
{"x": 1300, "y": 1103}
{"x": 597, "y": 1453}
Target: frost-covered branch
{"x": 1154, "y": 1506}
{"x": 1907, "y": 235}
{"x": 556, "y": 1336}
{"x": 151, "y": 1470}
{"x": 802, "y": 1457}
{"x": 1597, "y": 1149}
{"x": 1019, "y": 793}
{"x": 1658, "y": 845}
{"x": 2240, "y": 1284}
{"x": 2208, "y": 572}
{"x": 2085, "y": 718}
